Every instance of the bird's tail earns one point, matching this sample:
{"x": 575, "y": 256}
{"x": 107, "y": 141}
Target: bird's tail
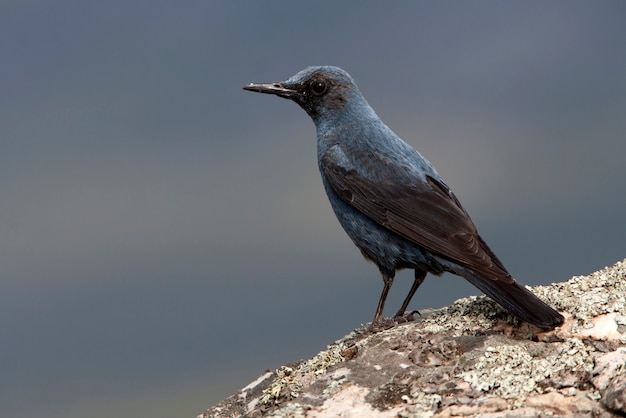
{"x": 518, "y": 300}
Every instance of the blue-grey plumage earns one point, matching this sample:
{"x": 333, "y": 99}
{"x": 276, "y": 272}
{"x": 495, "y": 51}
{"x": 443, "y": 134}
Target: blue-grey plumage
{"x": 391, "y": 201}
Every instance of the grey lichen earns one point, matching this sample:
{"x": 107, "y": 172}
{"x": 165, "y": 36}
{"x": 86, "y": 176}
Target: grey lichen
{"x": 291, "y": 410}
{"x": 585, "y": 297}
{"x": 290, "y": 380}
{"x": 513, "y": 372}
{"x": 463, "y": 316}
{"x": 421, "y": 405}
{"x": 285, "y": 380}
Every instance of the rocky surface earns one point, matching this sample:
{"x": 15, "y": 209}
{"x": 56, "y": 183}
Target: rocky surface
{"x": 469, "y": 359}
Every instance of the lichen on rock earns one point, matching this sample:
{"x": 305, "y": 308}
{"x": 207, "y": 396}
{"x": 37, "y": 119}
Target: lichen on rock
{"x": 469, "y": 359}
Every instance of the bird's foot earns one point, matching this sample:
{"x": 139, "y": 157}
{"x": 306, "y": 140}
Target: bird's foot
{"x": 387, "y": 323}
{"x": 402, "y": 317}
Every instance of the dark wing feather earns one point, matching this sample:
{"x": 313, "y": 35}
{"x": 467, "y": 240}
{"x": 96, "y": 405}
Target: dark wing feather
{"x": 426, "y": 213}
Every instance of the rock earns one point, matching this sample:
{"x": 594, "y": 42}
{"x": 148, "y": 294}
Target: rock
{"x": 469, "y": 359}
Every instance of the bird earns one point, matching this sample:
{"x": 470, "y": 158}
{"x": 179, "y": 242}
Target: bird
{"x": 391, "y": 201}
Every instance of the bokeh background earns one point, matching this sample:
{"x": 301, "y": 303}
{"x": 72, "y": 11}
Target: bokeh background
{"x": 164, "y": 235}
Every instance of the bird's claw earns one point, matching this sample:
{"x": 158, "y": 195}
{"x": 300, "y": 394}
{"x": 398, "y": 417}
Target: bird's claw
{"x": 402, "y": 317}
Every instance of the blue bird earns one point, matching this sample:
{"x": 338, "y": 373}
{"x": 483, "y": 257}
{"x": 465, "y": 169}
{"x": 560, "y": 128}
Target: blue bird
{"x": 390, "y": 200}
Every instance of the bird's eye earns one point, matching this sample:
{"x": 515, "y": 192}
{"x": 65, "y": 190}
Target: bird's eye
{"x": 318, "y": 87}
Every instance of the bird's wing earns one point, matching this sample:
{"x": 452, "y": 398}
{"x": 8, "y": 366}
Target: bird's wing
{"x": 424, "y": 212}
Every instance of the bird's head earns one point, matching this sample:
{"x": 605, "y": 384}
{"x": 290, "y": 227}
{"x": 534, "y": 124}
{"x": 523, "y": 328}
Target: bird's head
{"x": 320, "y": 91}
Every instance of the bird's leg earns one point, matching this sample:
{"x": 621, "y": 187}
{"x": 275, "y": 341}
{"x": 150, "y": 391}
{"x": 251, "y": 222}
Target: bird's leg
{"x": 420, "y": 275}
{"x": 388, "y": 280}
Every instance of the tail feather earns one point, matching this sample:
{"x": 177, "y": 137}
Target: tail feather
{"x": 518, "y": 300}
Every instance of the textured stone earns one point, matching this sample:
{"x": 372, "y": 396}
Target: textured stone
{"x": 469, "y": 359}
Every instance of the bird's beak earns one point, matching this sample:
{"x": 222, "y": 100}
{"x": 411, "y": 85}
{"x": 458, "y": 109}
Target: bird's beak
{"x": 278, "y": 89}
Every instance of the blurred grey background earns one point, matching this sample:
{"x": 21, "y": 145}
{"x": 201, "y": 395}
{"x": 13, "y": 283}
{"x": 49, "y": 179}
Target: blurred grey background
{"x": 164, "y": 235}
